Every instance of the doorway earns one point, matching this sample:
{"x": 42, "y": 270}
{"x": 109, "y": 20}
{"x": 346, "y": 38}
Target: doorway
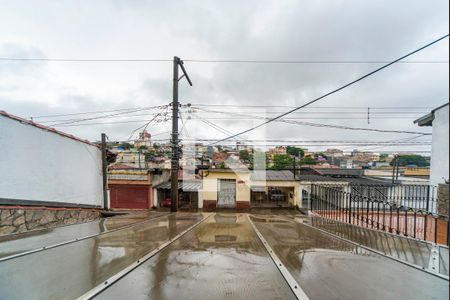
{"x": 226, "y": 193}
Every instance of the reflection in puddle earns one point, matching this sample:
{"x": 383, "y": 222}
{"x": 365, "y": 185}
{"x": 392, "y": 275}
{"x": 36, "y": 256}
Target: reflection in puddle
{"x": 225, "y": 219}
{"x": 225, "y": 238}
{"x": 269, "y": 219}
{"x": 108, "y": 254}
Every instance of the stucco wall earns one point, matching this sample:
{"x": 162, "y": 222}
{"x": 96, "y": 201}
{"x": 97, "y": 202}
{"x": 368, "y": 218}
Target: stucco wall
{"x": 439, "y": 151}
{"x": 209, "y": 190}
{"x": 306, "y": 186}
{"x": 44, "y": 166}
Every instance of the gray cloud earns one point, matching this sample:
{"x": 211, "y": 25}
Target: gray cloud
{"x": 274, "y": 30}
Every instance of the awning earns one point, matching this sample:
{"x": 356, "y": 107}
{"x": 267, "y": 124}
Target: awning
{"x": 258, "y": 189}
{"x": 186, "y": 186}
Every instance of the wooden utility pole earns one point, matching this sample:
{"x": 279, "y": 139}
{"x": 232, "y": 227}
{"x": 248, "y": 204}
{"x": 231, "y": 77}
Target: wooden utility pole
{"x": 105, "y": 173}
{"x": 394, "y": 164}
{"x": 177, "y": 62}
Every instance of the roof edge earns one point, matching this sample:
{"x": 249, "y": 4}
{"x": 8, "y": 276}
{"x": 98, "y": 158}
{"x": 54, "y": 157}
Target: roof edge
{"x": 427, "y": 120}
{"x": 46, "y": 128}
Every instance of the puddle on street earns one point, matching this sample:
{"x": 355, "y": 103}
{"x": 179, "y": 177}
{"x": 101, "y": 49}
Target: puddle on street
{"x": 221, "y": 258}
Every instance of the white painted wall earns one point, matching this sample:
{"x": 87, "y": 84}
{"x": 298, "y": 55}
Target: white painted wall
{"x": 439, "y": 151}
{"x": 36, "y": 164}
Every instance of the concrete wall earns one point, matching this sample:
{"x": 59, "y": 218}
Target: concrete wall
{"x": 439, "y": 151}
{"x": 38, "y": 165}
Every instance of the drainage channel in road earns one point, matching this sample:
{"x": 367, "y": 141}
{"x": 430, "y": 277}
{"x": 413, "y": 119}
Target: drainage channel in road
{"x": 71, "y": 270}
{"x": 221, "y": 258}
{"x": 327, "y": 267}
{"x": 15, "y": 245}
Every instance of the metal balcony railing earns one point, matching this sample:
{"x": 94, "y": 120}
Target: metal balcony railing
{"x": 408, "y": 210}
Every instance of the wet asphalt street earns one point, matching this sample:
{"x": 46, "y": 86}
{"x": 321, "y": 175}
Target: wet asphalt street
{"x": 330, "y": 268}
{"x": 207, "y": 256}
{"x": 35, "y": 240}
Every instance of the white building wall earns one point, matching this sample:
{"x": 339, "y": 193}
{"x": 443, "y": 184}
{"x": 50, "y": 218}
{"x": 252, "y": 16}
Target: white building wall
{"x": 39, "y": 165}
{"x": 439, "y": 151}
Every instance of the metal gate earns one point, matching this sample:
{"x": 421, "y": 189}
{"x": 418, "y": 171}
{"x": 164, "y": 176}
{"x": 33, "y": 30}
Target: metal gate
{"x": 226, "y": 193}
{"x": 129, "y": 196}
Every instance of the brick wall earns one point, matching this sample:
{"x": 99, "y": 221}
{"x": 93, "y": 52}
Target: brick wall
{"x": 16, "y": 220}
{"x": 242, "y": 204}
{"x": 443, "y": 199}
{"x": 209, "y": 204}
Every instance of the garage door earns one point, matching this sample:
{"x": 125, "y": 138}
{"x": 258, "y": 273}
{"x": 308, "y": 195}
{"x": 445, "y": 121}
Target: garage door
{"x": 129, "y": 196}
{"x": 226, "y": 193}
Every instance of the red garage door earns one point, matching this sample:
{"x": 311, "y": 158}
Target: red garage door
{"x": 130, "y": 196}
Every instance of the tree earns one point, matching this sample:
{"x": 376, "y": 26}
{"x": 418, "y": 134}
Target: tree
{"x": 126, "y": 146}
{"x": 308, "y": 161}
{"x": 244, "y": 155}
{"x": 281, "y": 161}
{"x": 221, "y": 165}
{"x": 298, "y": 152}
{"x": 143, "y": 147}
{"x": 383, "y": 156}
{"x": 413, "y": 159}
{"x": 150, "y": 155}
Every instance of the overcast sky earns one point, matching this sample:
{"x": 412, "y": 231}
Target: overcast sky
{"x": 226, "y": 30}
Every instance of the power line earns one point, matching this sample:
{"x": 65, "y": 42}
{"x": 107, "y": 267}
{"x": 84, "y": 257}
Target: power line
{"x": 312, "y": 61}
{"x": 318, "y": 125}
{"x": 101, "y": 117}
{"x": 146, "y": 124}
{"x": 254, "y": 112}
{"x": 212, "y": 125}
{"x": 183, "y": 123}
{"x": 318, "y": 118}
{"x": 38, "y": 59}
{"x": 226, "y": 105}
{"x": 336, "y": 112}
{"x": 239, "y": 106}
{"x": 31, "y": 59}
{"x": 95, "y": 112}
{"x": 338, "y": 89}
{"x": 101, "y": 123}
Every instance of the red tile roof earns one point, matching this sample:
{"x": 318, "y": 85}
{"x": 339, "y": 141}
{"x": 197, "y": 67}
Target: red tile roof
{"x": 43, "y": 127}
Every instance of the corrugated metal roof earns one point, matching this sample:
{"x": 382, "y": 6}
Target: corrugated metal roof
{"x": 185, "y": 185}
{"x": 321, "y": 178}
{"x": 341, "y": 172}
{"x": 310, "y": 177}
{"x": 258, "y": 188}
{"x": 213, "y": 170}
{"x": 272, "y": 175}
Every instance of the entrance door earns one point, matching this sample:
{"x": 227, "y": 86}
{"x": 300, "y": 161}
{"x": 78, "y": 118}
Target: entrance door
{"x": 226, "y": 193}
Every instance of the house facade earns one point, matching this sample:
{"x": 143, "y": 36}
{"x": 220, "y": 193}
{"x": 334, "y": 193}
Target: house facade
{"x": 438, "y": 118}
{"x": 225, "y": 188}
{"x": 130, "y": 188}
{"x": 273, "y": 188}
